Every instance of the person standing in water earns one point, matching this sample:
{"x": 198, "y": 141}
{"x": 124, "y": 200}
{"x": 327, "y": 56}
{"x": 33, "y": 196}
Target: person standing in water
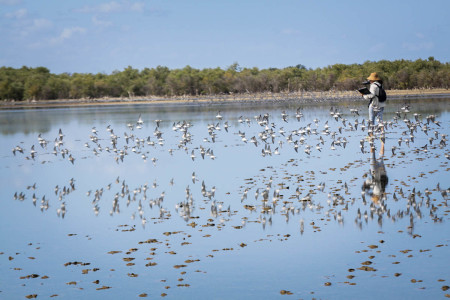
{"x": 376, "y": 107}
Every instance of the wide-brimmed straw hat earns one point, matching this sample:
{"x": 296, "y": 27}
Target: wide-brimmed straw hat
{"x": 374, "y": 76}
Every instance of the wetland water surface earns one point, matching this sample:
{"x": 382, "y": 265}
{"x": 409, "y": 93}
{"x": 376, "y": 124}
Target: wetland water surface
{"x": 226, "y": 201}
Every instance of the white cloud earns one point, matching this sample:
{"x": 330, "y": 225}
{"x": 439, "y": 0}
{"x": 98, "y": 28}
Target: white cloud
{"x": 100, "y": 23}
{"x": 22, "y": 25}
{"x": 138, "y": 7}
{"x": 418, "y": 46}
{"x": 419, "y": 42}
{"x": 26, "y": 27}
{"x": 18, "y": 14}
{"x": 113, "y": 7}
{"x": 109, "y": 7}
{"x": 377, "y": 47}
{"x": 290, "y": 31}
{"x": 10, "y": 2}
{"x": 420, "y": 35}
{"x": 101, "y": 8}
{"x": 67, "y": 33}
{"x": 41, "y": 24}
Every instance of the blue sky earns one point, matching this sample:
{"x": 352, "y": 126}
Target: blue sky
{"x": 103, "y": 36}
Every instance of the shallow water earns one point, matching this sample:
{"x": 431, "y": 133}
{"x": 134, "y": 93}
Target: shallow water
{"x": 131, "y": 218}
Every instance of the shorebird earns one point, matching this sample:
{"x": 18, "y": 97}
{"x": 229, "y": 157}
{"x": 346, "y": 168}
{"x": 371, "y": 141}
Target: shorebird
{"x": 298, "y": 114}
{"x": 33, "y": 152}
{"x": 140, "y": 121}
{"x": 354, "y": 111}
{"x": 284, "y": 116}
{"x": 212, "y": 156}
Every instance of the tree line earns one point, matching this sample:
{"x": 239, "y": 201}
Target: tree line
{"x": 39, "y": 84}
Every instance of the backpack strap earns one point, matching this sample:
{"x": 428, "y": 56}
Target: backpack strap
{"x": 380, "y": 86}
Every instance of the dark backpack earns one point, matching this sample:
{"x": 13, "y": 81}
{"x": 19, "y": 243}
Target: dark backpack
{"x": 381, "y": 93}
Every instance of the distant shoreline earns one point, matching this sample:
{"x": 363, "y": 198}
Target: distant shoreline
{"x": 303, "y": 97}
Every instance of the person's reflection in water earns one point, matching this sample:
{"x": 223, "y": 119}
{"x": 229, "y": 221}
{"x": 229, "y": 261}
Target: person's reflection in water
{"x": 376, "y": 182}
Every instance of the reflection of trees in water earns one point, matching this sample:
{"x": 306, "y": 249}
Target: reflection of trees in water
{"x": 24, "y": 121}
{"x": 421, "y": 105}
{"x": 41, "y": 120}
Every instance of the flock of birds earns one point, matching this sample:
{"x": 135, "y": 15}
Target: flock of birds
{"x": 272, "y": 192}
{"x": 271, "y": 136}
